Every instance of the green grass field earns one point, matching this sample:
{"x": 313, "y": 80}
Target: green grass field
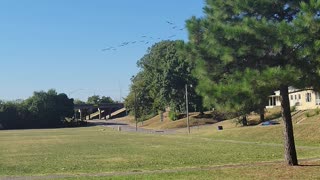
{"x": 102, "y": 153}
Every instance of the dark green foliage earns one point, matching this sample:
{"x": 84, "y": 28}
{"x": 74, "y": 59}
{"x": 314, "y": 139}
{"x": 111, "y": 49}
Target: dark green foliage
{"x": 42, "y": 110}
{"x": 95, "y": 99}
{"x": 13, "y": 114}
{"x": 173, "y": 115}
{"x": 78, "y": 101}
{"x": 246, "y": 49}
{"x": 164, "y": 72}
{"x": 105, "y": 99}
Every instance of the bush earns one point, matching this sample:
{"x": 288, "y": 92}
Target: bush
{"x": 308, "y": 114}
{"x": 313, "y": 113}
{"x": 173, "y": 115}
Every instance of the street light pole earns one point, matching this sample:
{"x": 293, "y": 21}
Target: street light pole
{"x": 135, "y": 109}
{"x": 187, "y": 109}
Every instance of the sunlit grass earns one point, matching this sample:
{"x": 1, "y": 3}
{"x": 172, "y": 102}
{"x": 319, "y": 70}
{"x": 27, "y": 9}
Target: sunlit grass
{"x": 78, "y": 151}
{"x": 308, "y": 170}
{"x": 305, "y": 132}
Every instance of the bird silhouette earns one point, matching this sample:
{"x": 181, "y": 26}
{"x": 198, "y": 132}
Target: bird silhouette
{"x": 107, "y": 49}
{"x": 171, "y": 23}
{"x": 145, "y": 38}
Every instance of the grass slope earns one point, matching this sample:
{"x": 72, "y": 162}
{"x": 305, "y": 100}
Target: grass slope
{"x": 92, "y": 150}
{"x": 305, "y": 131}
{"x": 308, "y": 170}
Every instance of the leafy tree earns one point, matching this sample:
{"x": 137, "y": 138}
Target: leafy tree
{"x": 164, "y": 72}
{"x": 49, "y": 109}
{"x": 162, "y": 66}
{"x": 13, "y": 115}
{"x": 276, "y": 41}
{"x": 105, "y": 99}
{"x": 139, "y": 97}
{"x": 42, "y": 110}
{"x": 95, "y": 99}
{"x": 78, "y": 101}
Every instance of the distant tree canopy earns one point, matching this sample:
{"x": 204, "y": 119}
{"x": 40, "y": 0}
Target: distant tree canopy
{"x": 95, "y": 99}
{"x": 78, "y": 101}
{"x": 42, "y": 110}
{"x": 160, "y": 83}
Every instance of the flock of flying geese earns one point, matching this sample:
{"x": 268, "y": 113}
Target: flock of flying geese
{"x": 145, "y": 39}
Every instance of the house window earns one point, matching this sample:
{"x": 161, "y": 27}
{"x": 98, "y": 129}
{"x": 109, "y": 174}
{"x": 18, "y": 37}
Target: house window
{"x": 295, "y": 97}
{"x": 272, "y": 101}
{"x": 308, "y": 97}
{"x": 299, "y": 96}
{"x": 291, "y": 97}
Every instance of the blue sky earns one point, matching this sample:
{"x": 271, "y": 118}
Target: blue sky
{"x": 58, "y": 43}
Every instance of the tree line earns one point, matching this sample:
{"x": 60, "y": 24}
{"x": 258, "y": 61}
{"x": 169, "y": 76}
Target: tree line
{"x": 237, "y": 55}
{"x": 43, "y": 110}
{"x": 95, "y": 99}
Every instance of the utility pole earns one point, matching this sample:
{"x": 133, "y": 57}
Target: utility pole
{"x": 135, "y": 109}
{"x": 187, "y": 109}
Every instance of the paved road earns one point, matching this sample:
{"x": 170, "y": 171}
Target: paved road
{"x": 117, "y": 124}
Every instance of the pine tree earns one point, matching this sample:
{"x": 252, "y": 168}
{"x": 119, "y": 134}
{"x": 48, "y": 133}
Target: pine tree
{"x": 276, "y": 41}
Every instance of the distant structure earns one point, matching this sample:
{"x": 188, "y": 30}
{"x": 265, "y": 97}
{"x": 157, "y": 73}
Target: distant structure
{"x": 302, "y": 99}
{"x": 100, "y": 111}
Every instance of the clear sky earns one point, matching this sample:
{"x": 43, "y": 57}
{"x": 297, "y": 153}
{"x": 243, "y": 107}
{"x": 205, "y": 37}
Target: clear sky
{"x": 58, "y": 43}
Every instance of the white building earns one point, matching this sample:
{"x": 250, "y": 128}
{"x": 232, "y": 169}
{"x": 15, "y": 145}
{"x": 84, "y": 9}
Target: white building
{"x": 301, "y": 99}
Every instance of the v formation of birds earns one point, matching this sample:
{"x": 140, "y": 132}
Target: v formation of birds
{"x": 145, "y": 39}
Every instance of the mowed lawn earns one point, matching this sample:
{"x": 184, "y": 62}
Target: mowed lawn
{"x": 83, "y": 152}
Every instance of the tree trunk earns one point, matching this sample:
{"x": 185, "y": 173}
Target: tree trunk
{"x": 261, "y": 112}
{"x": 244, "y": 121}
{"x": 289, "y": 145}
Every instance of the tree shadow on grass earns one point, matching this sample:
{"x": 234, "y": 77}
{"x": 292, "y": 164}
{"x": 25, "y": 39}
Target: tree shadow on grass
{"x": 106, "y": 124}
{"x": 309, "y": 165}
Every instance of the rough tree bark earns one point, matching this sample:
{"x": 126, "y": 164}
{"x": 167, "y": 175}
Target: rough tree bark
{"x": 244, "y": 120}
{"x": 289, "y": 145}
{"x": 261, "y": 112}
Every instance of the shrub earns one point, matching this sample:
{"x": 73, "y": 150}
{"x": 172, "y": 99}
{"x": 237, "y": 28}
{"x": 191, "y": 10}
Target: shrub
{"x": 173, "y": 115}
{"x": 308, "y": 114}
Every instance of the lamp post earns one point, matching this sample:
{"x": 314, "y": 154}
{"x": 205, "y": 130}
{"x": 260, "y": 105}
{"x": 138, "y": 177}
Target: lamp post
{"x": 187, "y": 108}
{"x": 135, "y": 102}
{"x": 135, "y": 109}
